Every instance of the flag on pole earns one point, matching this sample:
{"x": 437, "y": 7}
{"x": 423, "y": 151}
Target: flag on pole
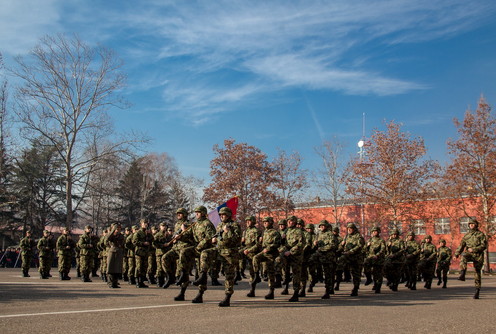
{"x": 231, "y": 204}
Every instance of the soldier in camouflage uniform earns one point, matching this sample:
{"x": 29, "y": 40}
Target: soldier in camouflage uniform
{"x": 352, "y": 255}
{"x": 161, "y": 244}
{"x": 130, "y": 254}
{"x": 427, "y": 262}
{"x": 125, "y": 264}
{"x": 327, "y": 244}
{"x": 142, "y": 242}
{"x": 228, "y": 241}
{"x": 96, "y": 255}
{"x": 412, "y": 253}
{"x": 308, "y": 257}
{"x": 375, "y": 252}
{"x": 43, "y": 252}
{"x": 102, "y": 254}
{"x": 280, "y": 264}
{"x": 393, "y": 263}
{"x": 339, "y": 263}
{"x": 203, "y": 232}
{"x": 293, "y": 253}
{"x": 152, "y": 259}
{"x": 472, "y": 248}
{"x": 65, "y": 248}
{"x": 180, "y": 241}
{"x": 271, "y": 241}
{"x": 250, "y": 247}
{"x": 27, "y": 245}
{"x": 86, "y": 252}
{"x": 443, "y": 263}
{"x": 308, "y": 249}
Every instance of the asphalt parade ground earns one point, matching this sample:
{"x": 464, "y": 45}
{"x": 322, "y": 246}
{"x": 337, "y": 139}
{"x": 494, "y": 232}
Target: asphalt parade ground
{"x": 32, "y": 305}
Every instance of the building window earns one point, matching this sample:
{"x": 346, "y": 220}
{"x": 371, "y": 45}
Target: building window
{"x": 464, "y": 224}
{"x": 442, "y": 226}
{"x": 418, "y": 227}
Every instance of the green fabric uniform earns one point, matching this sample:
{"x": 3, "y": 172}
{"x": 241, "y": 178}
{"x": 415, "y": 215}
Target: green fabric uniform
{"x": 87, "y": 251}
{"x": 295, "y": 242}
{"x": 228, "y": 245}
{"x": 412, "y": 254}
{"x": 141, "y": 251}
{"x": 170, "y": 259}
{"x": 477, "y": 242}
{"x": 27, "y": 245}
{"x": 443, "y": 264}
{"x": 427, "y": 262}
{"x": 375, "y": 253}
{"x": 160, "y": 240}
{"x": 352, "y": 256}
{"x": 327, "y": 247}
{"x": 271, "y": 241}
{"x": 202, "y": 232}
{"x": 308, "y": 250}
{"x": 65, "y": 252}
{"x": 44, "y": 253}
{"x": 250, "y": 244}
{"x": 131, "y": 261}
{"x": 393, "y": 264}
{"x": 151, "y": 268}
{"x": 102, "y": 254}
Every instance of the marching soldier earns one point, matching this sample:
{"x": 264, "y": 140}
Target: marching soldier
{"x": 125, "y": 264}
{"x": 152, "y": 259}
{"x": 412, "y": 253}
{"x": 161, "y": 244}
{"x": 130, "y": 255}
{"x": 141, "y": 242}
{"x": 472, "y": 248}
{"x": 44, "y": 250}
{"x": 375, "y": 252}
{"x": 27, "y": 245}
{"x": 250, "y": 247}
{"x": 443, "y": 263}
{"x": 293, "y": 254}
{"x": 352, "y": 255}
{"x": 393, "y": 263}
{"x": 87, "y": 252}
{"x": 102, "y": 255}
{"x": 327, "y": 244}
{"x": 427, "y": 263}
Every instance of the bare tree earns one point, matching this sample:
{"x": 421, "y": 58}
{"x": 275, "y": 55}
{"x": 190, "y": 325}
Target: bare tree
{"x": 332, "y": 174}
{"x": 289, "y": 180}
{"x": 67, "y": 88}
{"x": 394, "y": 173}
{"x": 472, "y": 170}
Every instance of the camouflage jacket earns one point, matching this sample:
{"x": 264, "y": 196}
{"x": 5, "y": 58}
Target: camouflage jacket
{"x": 444, "y": 255}
{"x": 65, "y": 245}
{"x": 251, "y": 238}
{"x": 203, "y": 232}
{"x": 129, "y": 245}
{"x": 27, "y": 245}
{"x": 44, "y": 248}
{"x": 139, "y": 239}
{"x": 186, "y": 239}
{"x": 327, "y": 246}
{"x": 476, "y": 240}
{"x": 271, "y": 241}
{"x": 295, "y": 241}
{"x": 85, "y": 244}
{"x": 375, "y": 249}
{"x": 428, "y": 252}
{"x": 395, "y": 249}
{"x": 352, "y": 245}
{"x": 102, "y": 247}
{"x": 412, "y": 251}
{"x": 231, "y": 239}
{"x": 160, "y": 239}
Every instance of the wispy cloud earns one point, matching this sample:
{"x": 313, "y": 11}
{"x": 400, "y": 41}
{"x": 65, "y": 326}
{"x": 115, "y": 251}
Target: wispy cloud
{"x": 192, "y": 49}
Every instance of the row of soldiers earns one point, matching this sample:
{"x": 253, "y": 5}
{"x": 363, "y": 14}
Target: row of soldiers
{"x": 294, "y": 253}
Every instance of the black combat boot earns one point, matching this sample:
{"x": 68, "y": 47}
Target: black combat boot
{"x": 132, "y": 280}
{"x": 378, "y": 288}
{"x": 78, "y": 273}
{"x": 202, "y": 279}
{"x": 257, "y": 278}
{"x": 302, "y": 291}
{"x": 180, "y": 296}
{"x": 226, "y": 302}
{"x": 61, "y": 276}
{"x": 462, "y": 275}
{"x": 215, "y": 282}
{"x": 140, "y": 282}
{"x": 169, "y": 279}
{"x": 278, "y": 282}
{"x": 286, "y": 290}
{"x": 445, "y": 282}
{"x": 476, "y": 295}
{"x": 326, "y": 295}
{"x": 294, "y": 298}
{"x": 25, "y": 273}
{"x": 114, "y": 284}
{"x": 413, "y": 286}
{"x": 252, "y": 290}
{"x": 152, "y": 280}
{"x": 125, "y": 278}
{"x": 198, "y": 299}
{"x": 439, "y": 280}
{"x": 238, "y": 276}
{"x": 86, "y": 278}
{"x": 369, "y": 278}
{"x": 270, "y": 295}
{"x": 428, "y": 284}
{"x": 339, "y": 278}
{"x": 160, "y": 282}
{"x": 42, "y": 276}
{"x": 354, "y": 292}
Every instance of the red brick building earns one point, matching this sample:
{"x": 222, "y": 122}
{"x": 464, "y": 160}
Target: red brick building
{"x": 439, "y": 218}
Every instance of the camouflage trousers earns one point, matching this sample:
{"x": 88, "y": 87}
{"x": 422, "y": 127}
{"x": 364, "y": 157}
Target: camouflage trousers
{"x": 393, "y": 271}
{"x": 269, "y": 261}
{"x": 26, "y": 261}
{"x": 247, "y": 259}
{"x": 170, "y": 261}
{"x": 141, "y": 265}
{"x": 86, "y": 262}
{"x": 281, "y": 266}
{"x": 103, "y": 264}
{"x": 159, "y": 272}
{"x": 427, "y": 269}
{"x": 45, "y": 264}
{"x": 329, "y": 269}
{"x": 229, "y": 259}
{"x": 355, "y": 265}
{"x": 125, "y": 265}
{"x": 478, "y": 260}
{"x": 65, "y": 263}
{"x": 152, "y": 264}
{"x": 294, "y": 265}
{"x": 442, "y": 270}
{"x": 131, "y": 268}
{"x": 410, "y": 269}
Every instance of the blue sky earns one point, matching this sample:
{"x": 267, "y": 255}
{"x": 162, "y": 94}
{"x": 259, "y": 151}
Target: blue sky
{"x": 279, "y": 74}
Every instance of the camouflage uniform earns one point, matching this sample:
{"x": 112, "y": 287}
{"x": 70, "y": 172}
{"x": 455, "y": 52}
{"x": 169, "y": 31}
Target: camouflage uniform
{"x": 308, "y": 249}
{"x": 352, "y": 255}
{"x": 44, "y": 251}
{"x": 472, "y": 248}
{"x": 65, "y": 247}
{"x": 393, "y": 263}
{"x": 375, "y": 252}
{"x": 87, "y": 252}
{"x": 141, "y": 242}
{"x": 271, "y": 241}
{"x": 27, "y": 245}
{"x": 102, "y": 255}
{"x": 327, "y": 246}
{"x": 160, "y": 243}
{"x": 412, "y": 253}
{"x": 130, "y": 255}
{"x": 125, "y": 259}
{"x": 427, "y": 262}
{"x": 95, "y": 239}
{"x": 280, "y": 263}
{"x": 293, "y": 253}
{"x": 250, "y": 244}
{"x": 443, "y": 263}
{"x": 151, "y": 268}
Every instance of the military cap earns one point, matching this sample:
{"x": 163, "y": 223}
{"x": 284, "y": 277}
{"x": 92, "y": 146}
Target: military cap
{"x": 46, "y": 232}
{"x": 411, "y": 233}
{"x": 201, "y": 209}
{"x": 88, "y": 227}
{"x": 127, "y": 229}
{"x": 323, "y": 222}
{"x": 163, "y": 224}
{"x": 442, "y": 240}
{"x": 336, "y": 229}
{"x": 268, "y": 219}
{"x": 225, "y": 211}
{"x": 293, "y": 219}
{"x": 251, "y": 218}
{"x": 282, "y": 222}
{"x": 376, "y": 228}
{"x": 135, "y": 227}
{"x": 428, "y": 237}
{"x": 182, "y": 210}
{"x": 312, "y": 226}
{"x": 351, "y": 225}
{"x": 300, "y": 221}
{"x": 473, "y": 221}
